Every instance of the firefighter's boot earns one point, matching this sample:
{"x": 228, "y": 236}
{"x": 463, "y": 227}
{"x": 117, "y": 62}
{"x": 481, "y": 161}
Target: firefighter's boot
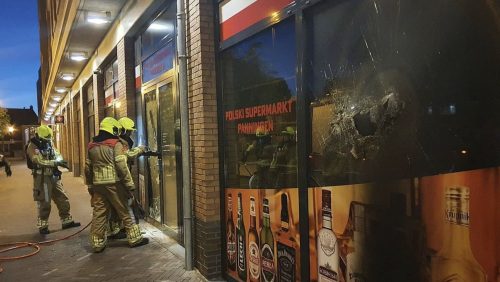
{"x": 135, "y": 238}
{"x": 43, "y": 226}
{"x": 98, "y": 244}
{"x": 68, "y": 222}
{"x": 115, "y": 232}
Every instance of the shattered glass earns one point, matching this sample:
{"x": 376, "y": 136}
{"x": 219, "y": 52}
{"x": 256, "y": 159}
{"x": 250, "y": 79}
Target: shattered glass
{"x": 401, "y": 88}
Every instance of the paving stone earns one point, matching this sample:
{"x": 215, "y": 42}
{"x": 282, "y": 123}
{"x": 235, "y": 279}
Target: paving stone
{"x": 72, "y": 259}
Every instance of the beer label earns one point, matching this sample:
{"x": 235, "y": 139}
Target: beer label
{"x": 456, "y": 216}
{"x": 241, "y": 254}
{"x": 327, "y": 241}
{"x": 267, "y": 258}
{"x": 254, "y": 262}
{"x": 286, "y": 263}
{"x": 327, "y": 274}
{"x": 231, "y": 248}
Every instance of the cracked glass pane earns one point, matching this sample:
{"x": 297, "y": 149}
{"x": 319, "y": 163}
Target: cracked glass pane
{"x": 401, "y": 88}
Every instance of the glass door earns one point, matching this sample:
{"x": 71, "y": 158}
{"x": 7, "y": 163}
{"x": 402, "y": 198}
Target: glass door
{"x": 153, "y": 162}
{"x": 169, "y": 147}
{"x": 164, "y": 174}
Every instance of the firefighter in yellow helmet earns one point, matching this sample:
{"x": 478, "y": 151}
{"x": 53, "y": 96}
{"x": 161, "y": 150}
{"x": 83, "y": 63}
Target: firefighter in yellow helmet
{"x": 44, "y": 161}
{"x": 105, "y": 170}
{"x": 127, "y": 128}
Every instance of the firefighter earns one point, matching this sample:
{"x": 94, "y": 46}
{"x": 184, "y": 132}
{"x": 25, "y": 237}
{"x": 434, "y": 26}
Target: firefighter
{"x": 107, "y": 174}
{"x": 6, "y": 164}
{"x": 127, "y": 128}
{"x": 44, "y": 161}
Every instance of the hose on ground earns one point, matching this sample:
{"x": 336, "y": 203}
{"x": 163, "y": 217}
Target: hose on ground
{"x": 36, "y": 246}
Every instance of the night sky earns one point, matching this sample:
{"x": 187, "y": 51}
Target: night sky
{"x": 19, "y": 53}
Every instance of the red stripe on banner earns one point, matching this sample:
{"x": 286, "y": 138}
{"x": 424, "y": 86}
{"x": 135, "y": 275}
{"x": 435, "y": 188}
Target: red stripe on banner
{"x": 108, "y": 100}
{"x": 138, "y": 82}
{"x": 252, "y": 14}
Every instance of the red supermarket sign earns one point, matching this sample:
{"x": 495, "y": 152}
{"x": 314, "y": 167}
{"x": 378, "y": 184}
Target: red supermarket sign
{"x": 237, "y": 15}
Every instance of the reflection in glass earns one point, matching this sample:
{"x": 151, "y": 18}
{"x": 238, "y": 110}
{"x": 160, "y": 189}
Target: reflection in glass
{"x": 401, "y": 89}
{"x": 259, "y": 107}
{"x": 160, "y": 32}
{"x": 168, "y": 151}
{"x": 153, "y": 170}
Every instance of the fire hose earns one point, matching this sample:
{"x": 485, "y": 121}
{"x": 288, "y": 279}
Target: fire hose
{"x": 36, "y": 246}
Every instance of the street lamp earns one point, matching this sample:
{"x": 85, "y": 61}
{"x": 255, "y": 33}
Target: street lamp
{"x": 10, "y": 129}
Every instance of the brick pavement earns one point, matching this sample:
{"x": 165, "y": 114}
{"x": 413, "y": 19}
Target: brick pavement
{"x": 72, "y": 259}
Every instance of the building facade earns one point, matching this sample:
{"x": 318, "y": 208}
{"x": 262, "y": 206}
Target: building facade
{"x": 329, "y": 140}
{"x": 119, "y": 58}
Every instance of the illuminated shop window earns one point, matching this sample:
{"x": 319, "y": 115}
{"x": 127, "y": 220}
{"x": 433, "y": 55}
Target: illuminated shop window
{"x": 259, "y": 95}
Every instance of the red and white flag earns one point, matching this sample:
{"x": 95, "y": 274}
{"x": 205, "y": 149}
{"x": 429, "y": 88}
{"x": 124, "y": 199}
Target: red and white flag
{"x": 237, "y": 15}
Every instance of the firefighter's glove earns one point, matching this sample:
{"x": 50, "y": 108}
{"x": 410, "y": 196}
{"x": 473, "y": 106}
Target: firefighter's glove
{"x": 62, "y": 163}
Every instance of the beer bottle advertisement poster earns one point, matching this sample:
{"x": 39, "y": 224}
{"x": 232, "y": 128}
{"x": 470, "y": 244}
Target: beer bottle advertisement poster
{"x": 436, "y": 228}
{"x": 262, "y": 234}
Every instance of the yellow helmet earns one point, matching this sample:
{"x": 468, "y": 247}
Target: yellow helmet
{"x": 289, "y": 130}
{"x": 261, "y": 132}
{"x": 127, "y": 123}
{"x": 110, "y": 125}
{"x": 44, "y": 132}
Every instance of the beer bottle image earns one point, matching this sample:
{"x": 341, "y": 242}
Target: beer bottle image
{"x": 268, "y": 269}
{"x": 455, "y": 261}
{"x": 253, "y": 245}
{"x": 241, "y": 243}
{"x": 231, "y": 237}
{"x": 328, "y": 251}
{"x": 286, "y": 245}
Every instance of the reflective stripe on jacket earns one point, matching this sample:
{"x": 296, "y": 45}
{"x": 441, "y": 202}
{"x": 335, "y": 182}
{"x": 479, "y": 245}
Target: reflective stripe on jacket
{"x": 107, "y": 164}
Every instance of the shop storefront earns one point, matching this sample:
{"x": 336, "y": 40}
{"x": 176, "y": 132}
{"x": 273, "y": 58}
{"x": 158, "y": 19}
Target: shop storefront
{"x": 156, "y": 77}
{"x": 360, "y": 140}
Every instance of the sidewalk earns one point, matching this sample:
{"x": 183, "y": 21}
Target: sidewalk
{"x": 72, "y": 259}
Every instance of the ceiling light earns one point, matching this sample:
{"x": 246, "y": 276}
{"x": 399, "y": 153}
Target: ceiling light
{"x": 53, "y": 104}
{"x": 61, "y": 89}
{"x": 78, "y": 56}
{"x": 46, "y": 119}
{"x": 161, "y": 26}
{"x": 68, "y": 76}
{"x": 98, "y": 17}
{"x": 57, "y": 98}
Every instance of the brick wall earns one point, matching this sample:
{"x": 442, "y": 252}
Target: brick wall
{"x": 204, "y": 139}
{"x": 98, "y": 86}
{"x": 126, "y": 79}
{"x": 126, "y": 95}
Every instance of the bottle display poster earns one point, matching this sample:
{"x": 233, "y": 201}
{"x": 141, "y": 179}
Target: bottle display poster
{"x": 437, "y": 228}
{"x": 262, "y": 234}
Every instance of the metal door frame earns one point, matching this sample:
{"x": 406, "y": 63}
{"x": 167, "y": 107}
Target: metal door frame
{"x": 154, "y": 85}
{"x": 170, "y": 79}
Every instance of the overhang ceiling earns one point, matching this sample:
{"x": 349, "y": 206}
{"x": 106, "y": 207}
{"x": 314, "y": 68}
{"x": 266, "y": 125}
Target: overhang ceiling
{"x": 85, "y": 37}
